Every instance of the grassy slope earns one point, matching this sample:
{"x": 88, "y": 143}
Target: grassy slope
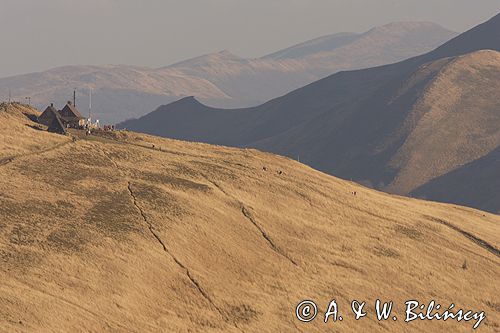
{"x": 108, "y": 234}
{"x": 17, "y": 133}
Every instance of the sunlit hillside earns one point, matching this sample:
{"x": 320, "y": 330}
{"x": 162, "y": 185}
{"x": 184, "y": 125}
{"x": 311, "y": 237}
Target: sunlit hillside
{"x": 124, "y": 232}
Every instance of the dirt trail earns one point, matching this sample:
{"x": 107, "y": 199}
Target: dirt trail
{"x": 10, "y": 159}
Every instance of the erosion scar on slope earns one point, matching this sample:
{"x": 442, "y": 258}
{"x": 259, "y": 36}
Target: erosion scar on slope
{"x": 275, "y": 248}
{"x": 188, "y": 273}
{"x": 482, "y": 243}
{"x": 248, "y": 215}
{"x": 177, "y": 261}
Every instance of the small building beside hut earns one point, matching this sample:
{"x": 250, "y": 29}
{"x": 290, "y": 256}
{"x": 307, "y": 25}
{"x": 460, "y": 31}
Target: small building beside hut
{"x": 71, "y": 116}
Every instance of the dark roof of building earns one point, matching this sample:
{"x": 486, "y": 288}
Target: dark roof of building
{"x": 56, "y": 126}
{"x": 49, "y": 111}
{"x": 70, "y": 111}
{"x": 48, "y": 115}
{"x": 50, "y": 107}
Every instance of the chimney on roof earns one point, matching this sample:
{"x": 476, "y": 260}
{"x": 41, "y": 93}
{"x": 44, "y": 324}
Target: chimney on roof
{"x": 52, "y": 104}
{"x": 70, "y": 103}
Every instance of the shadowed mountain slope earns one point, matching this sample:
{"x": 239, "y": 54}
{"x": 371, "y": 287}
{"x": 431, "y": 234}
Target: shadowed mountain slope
{"x": 132, "y": 233}
{"x": 392, "y": 127}
{"x": 480, "y": 190}
{"x": 220, "y": 79}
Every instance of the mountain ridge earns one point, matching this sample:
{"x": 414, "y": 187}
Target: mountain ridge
{"x": 220, "y": 79}
{"x": 361, "y": 117}
{"x": 342, "y": 38}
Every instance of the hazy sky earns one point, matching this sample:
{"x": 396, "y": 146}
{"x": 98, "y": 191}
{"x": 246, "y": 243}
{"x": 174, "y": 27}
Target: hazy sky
{"x": 40, "y": 34}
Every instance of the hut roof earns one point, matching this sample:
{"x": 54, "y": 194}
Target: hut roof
{"x": 48, "y": 115}
{"x": 49, "y": 112}
{"x": 70, "y": 111}
{"x": 50, "y": 108}
{"x": 56, "y": 126}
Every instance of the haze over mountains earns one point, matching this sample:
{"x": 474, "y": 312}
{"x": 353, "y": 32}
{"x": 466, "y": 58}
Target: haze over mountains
{"x": 402, "y": 128}
{"x": 104, "y": 233}
{"x": 223, "y": 79}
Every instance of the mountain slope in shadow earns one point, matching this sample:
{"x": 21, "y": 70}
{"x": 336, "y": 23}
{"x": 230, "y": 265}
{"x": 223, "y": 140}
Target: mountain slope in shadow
{"x": 479, "y": 190}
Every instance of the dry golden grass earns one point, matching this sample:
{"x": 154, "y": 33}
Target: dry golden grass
{"x": 107, "y": 234}
{"x": 17, "y": 132}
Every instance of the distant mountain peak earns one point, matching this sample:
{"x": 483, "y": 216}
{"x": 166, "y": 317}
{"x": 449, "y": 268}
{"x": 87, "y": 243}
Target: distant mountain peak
{"x": 485, "y": 36}
{"x": 334, "y": 42}
{"x": 226, "y": 53}
{"x": 188, "y": 100}
{"x": 410, "y": 25}
{"x": 324, "y": 43}
{"x": 205, "y": 60}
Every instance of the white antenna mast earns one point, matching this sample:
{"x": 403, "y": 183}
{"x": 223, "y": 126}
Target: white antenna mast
{"x": 90, "y": 103}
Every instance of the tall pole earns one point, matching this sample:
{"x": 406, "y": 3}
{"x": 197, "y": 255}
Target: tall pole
{"x": 90, "y": 103}
{"x": 74, "y": 97}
